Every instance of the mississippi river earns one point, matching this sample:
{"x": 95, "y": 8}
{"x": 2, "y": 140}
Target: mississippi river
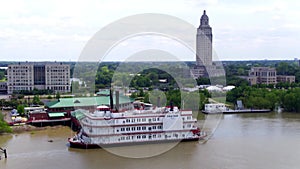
{"x": 248, "y": 141}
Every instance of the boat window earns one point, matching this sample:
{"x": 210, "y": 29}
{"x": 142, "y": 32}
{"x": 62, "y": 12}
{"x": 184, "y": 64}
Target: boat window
{"x": 133, "y": 128}
{"x": 122, "y": 129}
{"x": 138, "y": 128}
{"x": 143, "y": 128}
{"x": 128, "y": 129}
{"x": 153, "y": 127}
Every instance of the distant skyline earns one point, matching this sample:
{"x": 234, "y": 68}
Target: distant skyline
{"x": 54, "y": 30}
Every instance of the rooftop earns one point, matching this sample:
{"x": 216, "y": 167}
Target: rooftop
{"x": 86, "y": 101}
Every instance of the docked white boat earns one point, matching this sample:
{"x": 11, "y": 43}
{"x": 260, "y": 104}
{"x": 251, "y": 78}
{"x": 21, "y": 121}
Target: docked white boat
{"x": 216, "y": 108}
{"x": 106, "y": 128}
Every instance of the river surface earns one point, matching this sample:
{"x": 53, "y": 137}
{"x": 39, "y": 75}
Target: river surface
{"x": 248, "y": 141}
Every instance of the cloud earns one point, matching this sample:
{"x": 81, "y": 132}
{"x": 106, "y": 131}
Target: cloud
{"x": 27, "y": 25}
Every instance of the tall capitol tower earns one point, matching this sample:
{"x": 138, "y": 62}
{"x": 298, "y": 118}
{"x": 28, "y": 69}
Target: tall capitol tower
{"x": 204, "y": 42}
{"x": 204, "y": 66}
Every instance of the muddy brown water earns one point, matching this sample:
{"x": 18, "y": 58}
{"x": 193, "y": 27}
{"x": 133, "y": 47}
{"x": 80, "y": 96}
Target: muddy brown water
{"x": 246, "y": 141}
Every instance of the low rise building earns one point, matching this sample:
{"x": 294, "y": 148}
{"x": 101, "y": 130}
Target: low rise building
{"x": 262, "y": 75}
{"x": 285, "y": 79}
{"x": 267, "y": 75}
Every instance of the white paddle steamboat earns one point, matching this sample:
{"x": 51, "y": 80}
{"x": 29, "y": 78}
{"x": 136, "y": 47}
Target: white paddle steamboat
{"x": 103, "y": 128}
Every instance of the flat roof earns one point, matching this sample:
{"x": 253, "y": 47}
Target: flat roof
{"x": 56, "y": 114}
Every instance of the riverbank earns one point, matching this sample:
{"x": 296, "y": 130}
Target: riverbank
{"x": 26, "y": 128}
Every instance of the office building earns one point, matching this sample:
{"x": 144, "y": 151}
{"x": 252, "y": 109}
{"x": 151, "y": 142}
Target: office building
{"x": 42, "y": 76}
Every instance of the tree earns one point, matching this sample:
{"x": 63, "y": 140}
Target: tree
{"x": 2, "y": 74}
{"x": 4, "y": 128}
{"x": 75, "y": 86}
{"x": 36, "y": 99}
{"x": 49, "y": 97}
{"x": 146, "y": 98}
{"x": 20, "y": 109}
{"x": 203, "y": 81}
{"x": 57, "y": 96}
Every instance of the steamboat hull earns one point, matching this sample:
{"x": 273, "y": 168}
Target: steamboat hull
{"x": 74, "y": 144}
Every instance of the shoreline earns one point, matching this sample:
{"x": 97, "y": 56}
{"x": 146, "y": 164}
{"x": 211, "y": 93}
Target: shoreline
{"x": 29, "y": 128}
{"x": 26, "y": 128}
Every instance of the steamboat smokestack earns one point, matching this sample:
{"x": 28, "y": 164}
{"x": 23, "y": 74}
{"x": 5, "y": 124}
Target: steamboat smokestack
{"x": 111, "y": 100}
{"x": 117, "y": 100}
{"x": 158, "y": 101}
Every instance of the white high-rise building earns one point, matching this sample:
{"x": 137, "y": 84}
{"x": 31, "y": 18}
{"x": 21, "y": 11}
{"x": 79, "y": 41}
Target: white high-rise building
{"x": 41, "y": 76}
{"x": 204, "y": 65}
{"x": 204, "y": 42}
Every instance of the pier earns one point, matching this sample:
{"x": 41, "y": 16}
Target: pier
{"x": 4, "y": 152}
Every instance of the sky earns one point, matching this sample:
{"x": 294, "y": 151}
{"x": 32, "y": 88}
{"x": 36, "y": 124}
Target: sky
{"x": 56, "y": 30}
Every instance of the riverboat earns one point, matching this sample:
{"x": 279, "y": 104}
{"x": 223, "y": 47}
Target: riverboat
{"x": 105, "y": 128}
